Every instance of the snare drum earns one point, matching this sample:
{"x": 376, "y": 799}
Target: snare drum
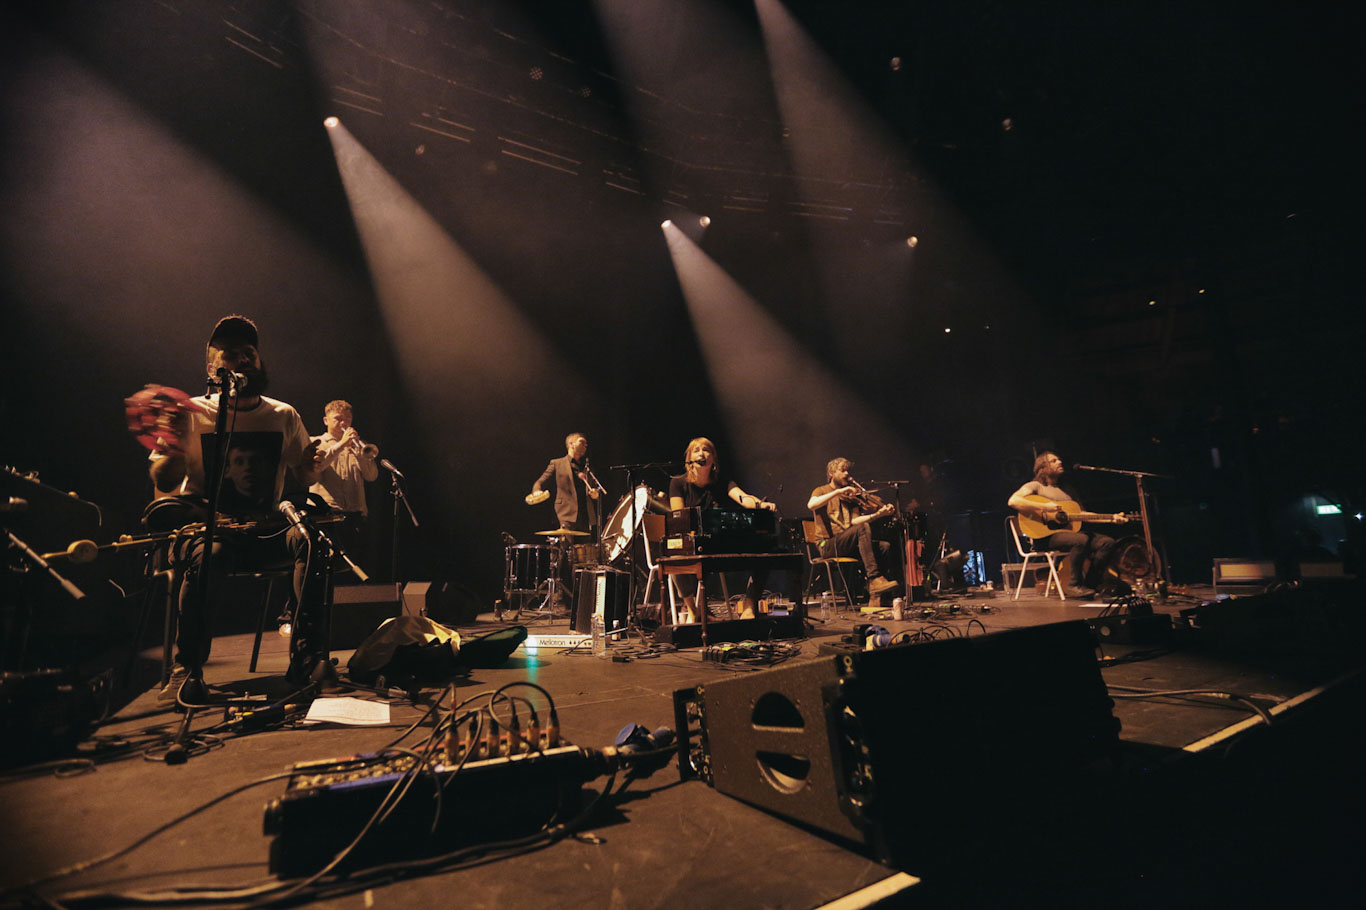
{"x": 528, "y": 566}
{"x": 585, "y": 555}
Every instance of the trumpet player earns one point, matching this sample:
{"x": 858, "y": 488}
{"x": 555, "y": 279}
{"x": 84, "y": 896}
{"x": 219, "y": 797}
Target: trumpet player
{"x": 577, "y": 491}
{"x": 348, "y": 461}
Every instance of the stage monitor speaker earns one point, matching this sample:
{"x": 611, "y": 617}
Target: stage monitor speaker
{"x": 446, "y": 602}
{"x": 603, "y": 591}
{"x": 358, "y": 610}
{"x": 909, "y": 750}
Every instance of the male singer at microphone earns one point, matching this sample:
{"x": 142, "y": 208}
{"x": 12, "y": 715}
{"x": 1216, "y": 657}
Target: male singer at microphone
{"x": 274, "y": 434}
{"x": 1048, "y": 470}
{"x": 347, "y": 461}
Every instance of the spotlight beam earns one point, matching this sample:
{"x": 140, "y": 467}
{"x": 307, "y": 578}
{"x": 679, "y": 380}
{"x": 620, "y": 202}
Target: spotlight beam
{"x": 786, "y": 412}
{"x": 468, "y": 356}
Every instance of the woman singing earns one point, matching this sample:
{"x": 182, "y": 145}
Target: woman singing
{"x": 703, "y": 486}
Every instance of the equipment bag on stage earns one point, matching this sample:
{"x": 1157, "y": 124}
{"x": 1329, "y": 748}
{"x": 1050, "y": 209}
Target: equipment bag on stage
{"x": 407, "y": 650}
{"x": 413, "y": 651}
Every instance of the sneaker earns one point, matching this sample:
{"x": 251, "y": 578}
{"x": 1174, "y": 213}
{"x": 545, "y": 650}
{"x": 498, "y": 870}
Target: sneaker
{"x": 183, "y": 686}
{"x": 172, "y": 688}
{"x": 879, "y": 584}
{"x": 1079, "y": 592}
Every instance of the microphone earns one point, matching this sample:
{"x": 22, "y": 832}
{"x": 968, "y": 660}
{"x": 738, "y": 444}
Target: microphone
{"x": 1082, "y": 467}
{"x": 236, "y": 380}
{"x": 508, "y": 539}
{"x": 388, "y": 465}
{"x": 291, "y": 514}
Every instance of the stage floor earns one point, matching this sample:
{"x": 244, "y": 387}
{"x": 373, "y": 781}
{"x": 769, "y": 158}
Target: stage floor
{"x": 1210, "y": 803}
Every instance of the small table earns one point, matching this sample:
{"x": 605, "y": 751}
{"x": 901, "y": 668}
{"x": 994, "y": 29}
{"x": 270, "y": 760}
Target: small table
{"x": 699, "y": 564}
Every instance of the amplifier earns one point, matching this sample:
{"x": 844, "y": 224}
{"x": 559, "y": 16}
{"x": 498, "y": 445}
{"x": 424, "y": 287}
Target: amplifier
{"x": 358, "y": 610}
{"x": 600, "y": 591}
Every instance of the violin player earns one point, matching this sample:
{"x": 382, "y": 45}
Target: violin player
{"x": 844, "y": 513}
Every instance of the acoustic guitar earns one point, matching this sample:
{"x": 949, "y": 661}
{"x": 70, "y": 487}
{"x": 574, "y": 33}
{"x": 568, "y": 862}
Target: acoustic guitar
{"x": 1069, "y": 517}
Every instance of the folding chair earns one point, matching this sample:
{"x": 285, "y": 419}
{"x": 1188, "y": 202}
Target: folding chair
{"x": 834, "y": 565}
{"x": 1051, "y": 556}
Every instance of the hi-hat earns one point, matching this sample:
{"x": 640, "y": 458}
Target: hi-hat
{"x": 562, "y": 532}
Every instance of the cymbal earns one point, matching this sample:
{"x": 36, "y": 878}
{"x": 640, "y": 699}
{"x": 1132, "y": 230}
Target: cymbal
{"x": 562, "y": 532}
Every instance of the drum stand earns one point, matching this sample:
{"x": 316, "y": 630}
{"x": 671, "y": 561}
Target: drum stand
{"x": 551, "y": 584}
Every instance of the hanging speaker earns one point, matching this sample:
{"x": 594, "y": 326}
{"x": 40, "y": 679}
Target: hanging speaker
{"x": 907, "y": 749}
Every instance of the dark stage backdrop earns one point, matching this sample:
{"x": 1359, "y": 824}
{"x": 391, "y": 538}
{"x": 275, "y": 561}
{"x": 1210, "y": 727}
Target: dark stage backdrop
{"x": 166, "y": 163}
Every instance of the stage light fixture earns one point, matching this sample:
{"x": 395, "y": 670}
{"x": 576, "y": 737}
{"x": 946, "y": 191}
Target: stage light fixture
{"x": 704, "y": 221}
{"x": 666, "y": 223}
{"x": 331, "y": 123}
{"x": 947, "y": 330}
{"x": 912, "y": 241}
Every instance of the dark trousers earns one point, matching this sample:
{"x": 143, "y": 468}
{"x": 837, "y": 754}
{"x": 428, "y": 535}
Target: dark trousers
{"x": 1082, "y": 545}
{"x": 238, "y": 552}
{"x": 859, "y": 539}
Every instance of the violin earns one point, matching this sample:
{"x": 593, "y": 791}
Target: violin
{"x": 867, "y": 500}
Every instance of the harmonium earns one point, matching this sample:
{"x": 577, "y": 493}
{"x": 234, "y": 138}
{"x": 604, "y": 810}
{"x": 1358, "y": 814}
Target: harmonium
{"x": 691, "y": 531}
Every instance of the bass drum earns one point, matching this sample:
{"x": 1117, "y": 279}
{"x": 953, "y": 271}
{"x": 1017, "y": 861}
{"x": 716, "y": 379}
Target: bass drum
{"x": 617, "y": 533}
{"x": 1127, "y": 567}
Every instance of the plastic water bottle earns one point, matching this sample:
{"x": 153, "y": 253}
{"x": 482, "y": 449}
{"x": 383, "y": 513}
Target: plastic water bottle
{"x": 599, "y": 637}
{"x": 826, "y": 600}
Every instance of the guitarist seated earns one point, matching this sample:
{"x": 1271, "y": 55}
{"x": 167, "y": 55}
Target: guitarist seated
{"x": 1041, "y": 500}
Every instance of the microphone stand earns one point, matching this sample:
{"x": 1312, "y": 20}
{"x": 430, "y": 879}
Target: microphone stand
{"x": 309, "y": 629}
{"x": 25, "y": 621}
{"x": 591, "y": 479}
{"x": 213, "y": 480}
{"x": 1163, "y": 572}
{"x": 905, "y": 530}
{"x": 396, "y": 491}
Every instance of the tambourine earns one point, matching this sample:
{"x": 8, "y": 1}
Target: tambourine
{"x": 538, "y": 497}
{"x": 154, "y": 415}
